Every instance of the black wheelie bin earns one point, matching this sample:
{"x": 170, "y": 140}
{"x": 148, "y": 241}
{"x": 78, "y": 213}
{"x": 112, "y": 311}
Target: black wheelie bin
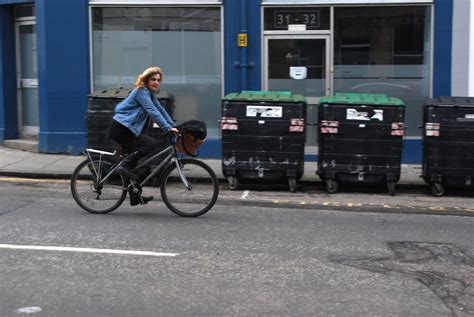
{"x": 448, "y": 143}
{"x": 101, "y": 105}
{"x": 360, "y": 140}
{"x": 263, "y": 137}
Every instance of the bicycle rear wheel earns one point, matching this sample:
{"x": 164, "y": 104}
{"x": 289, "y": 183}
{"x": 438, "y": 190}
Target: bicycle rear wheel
{"x": 95, "y": 198}
{"x": 199, "y": 197}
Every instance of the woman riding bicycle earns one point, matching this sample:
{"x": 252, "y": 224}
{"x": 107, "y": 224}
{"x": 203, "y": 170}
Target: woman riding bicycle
{"x": 131, "y": 119}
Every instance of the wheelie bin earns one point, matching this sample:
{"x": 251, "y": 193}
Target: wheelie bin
{"x": 360, "y": 140}
{"x": 101, "y": 105}
{"x": 263, "y": 137}
{"x": 448, "y": 143}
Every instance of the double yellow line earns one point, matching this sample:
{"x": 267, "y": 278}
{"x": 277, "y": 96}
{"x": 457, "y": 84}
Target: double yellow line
{"x": 33, "y": 180}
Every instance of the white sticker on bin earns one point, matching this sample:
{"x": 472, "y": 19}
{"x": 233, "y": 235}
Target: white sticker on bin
{"x": 264, "y": 111}
{"x": 354, "y": 114}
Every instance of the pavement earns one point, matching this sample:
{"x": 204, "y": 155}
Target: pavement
{"x": 412, "y": 196}
{"x": 20, "y": 163}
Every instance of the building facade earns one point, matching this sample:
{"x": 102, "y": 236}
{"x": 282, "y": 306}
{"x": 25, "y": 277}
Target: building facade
{"x": 55, "y": 53}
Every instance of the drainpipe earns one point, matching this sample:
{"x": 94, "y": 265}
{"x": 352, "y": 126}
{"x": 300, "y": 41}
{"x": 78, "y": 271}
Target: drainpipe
{"x": 244, "y": 50}
{"x": 243, "y": 64}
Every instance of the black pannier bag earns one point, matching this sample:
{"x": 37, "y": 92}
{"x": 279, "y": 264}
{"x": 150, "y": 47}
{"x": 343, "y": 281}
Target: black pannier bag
{"x": 193, "y": 134}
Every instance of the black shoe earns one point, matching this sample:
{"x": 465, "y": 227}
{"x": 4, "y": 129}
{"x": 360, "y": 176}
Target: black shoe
{"x": 145, "y": 199}
{"x": 134, "y": 194}
{"x": 142, "y": 200}
{"x": 127, "y": 173}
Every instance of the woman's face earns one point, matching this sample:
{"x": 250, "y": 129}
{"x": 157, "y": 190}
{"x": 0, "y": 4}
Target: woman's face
{"x": 154, "y": 82}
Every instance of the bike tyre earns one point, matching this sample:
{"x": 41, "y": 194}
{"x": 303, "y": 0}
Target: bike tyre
{"x": 83, "y": 173}
{"x": 204, "y": 192}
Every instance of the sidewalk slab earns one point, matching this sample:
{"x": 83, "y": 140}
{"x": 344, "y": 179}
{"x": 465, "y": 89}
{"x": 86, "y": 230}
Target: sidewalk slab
{"x": 15, "y": 162}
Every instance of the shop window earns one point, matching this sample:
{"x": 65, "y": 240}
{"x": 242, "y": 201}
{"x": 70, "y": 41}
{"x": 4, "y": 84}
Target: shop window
{"x": 354, "y": 51}
{"x": 384, "y": 50}
{"x": 24, "y": 11}
{"x": 184, "y": 41}
{"x": 408, "y": 46}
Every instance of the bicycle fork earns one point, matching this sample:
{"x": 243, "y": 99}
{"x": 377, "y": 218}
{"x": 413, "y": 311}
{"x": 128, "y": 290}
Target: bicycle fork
{"x": 181, "y": 175}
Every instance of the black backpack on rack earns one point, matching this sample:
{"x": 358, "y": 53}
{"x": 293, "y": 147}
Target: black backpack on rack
{"x": 193, "y": 135}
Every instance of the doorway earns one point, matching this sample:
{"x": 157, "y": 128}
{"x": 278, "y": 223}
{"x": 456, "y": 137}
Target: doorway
{"x": 300, "y": 64}
{"x": 27, "y": 79}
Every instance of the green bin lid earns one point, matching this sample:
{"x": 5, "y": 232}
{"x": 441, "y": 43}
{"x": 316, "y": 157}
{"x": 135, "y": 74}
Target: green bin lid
{"x": 262, "y": 96}
{"x": 362, "y": 99}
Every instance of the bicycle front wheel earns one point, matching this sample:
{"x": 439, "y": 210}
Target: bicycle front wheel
{"x": 194, "y": 198}
{"x": 95, "y": 197}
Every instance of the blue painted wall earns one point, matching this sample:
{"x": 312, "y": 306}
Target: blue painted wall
{"x": 242, "y": 65}
{"x": 63, "y": 74}
{"x": 8, "y": 104}
{"x": 15, "y": 1}
{"x": 443, "y": 29}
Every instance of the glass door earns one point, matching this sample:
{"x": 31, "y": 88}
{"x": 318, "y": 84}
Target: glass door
{"x": 299, "y": 64}
{"x": 27, "y": 79}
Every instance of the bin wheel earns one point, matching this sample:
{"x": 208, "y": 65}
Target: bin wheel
{"x": 391, "y": 188}
{"x": 437, "y": 189}
{"x": 332, "y": 186}
{"x": 233, "y": 182}
{"x": 293, "y": 184}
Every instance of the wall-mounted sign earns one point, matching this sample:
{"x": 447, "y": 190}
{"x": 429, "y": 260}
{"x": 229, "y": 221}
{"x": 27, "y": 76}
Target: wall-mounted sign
{"x": 282, "y": 18}
{"x": 298, "y": 72}
{"x": 308, "y": 18}
{"x": 242, "y": 39}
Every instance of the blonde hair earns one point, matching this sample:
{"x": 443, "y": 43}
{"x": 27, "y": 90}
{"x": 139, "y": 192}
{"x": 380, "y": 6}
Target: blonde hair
{"x": 143, "y": 78}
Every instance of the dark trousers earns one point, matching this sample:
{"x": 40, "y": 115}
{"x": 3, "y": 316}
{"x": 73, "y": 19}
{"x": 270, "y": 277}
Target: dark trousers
{"x": 129, "y": 142}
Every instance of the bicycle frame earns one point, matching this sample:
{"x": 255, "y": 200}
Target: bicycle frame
{"x": 169, "y": 158}
{"x": 166, "y": 160}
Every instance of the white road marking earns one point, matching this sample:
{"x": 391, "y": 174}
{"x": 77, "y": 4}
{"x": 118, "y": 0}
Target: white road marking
{"x": 245, "y": 194}
{"x": 86, "y": 250}
{"x": 28, "y": 310}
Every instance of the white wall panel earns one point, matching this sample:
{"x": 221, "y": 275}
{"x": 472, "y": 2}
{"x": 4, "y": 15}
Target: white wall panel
{"x": 461, "y": 54}
{"x": 471, "y": 53}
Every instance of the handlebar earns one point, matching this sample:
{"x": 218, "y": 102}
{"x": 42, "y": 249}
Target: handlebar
{"x": 172, "y": 134}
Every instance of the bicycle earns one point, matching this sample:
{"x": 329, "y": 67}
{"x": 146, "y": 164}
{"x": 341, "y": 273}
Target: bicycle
{"x": 188, "y": 187}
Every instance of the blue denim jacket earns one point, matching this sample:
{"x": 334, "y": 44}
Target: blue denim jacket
{"x": 134, "y": 111}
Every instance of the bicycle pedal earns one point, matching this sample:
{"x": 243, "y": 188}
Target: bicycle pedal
{"x": 145, "y": 199}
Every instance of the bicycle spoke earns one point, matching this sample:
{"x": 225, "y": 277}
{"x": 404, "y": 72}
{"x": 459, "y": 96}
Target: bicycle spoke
{"x": 94, "y": 197}
{"x": 201, "y": 194}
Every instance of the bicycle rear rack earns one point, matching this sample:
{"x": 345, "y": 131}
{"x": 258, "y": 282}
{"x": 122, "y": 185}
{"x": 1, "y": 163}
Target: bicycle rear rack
{"x": 100, "y": 152}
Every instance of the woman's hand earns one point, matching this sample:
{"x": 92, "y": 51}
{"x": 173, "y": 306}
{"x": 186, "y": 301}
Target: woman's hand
{"x": 174, "y": 131}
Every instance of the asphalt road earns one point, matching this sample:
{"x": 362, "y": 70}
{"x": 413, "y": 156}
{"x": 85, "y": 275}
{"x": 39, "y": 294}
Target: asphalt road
{"x": 238, "y": 260}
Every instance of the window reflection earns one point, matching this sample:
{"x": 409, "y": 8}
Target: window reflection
{"x": 384, "y": 50}
{"x": 184, "y": 42}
